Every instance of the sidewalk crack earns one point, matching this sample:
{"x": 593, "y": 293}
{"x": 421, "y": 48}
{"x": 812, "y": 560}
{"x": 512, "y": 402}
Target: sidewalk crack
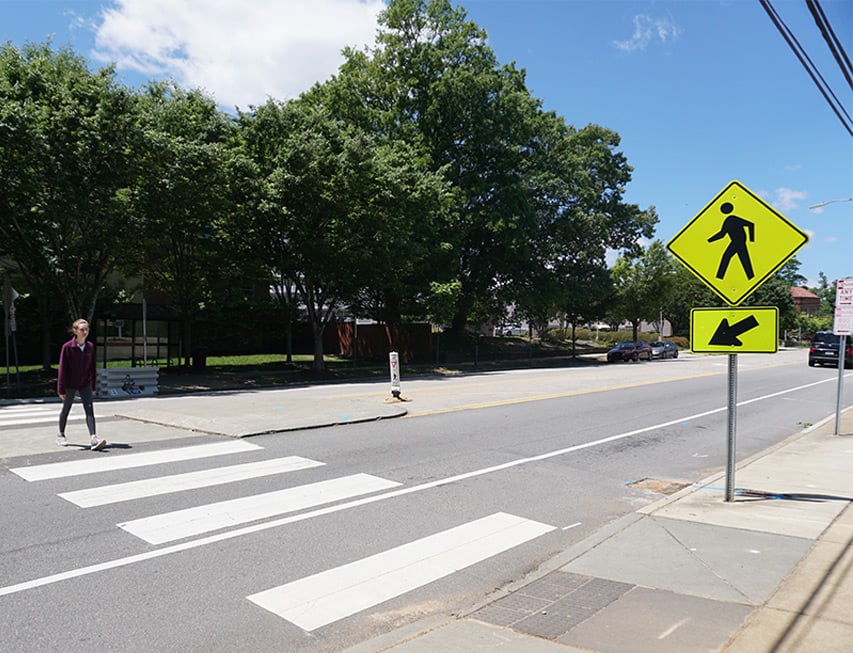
{"x": 696, "y": 556}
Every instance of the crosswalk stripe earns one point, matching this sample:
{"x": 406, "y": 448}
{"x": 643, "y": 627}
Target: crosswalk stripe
{"x": 331, "y": 595}
{"x": 107, "y": 463}
{"x": 21, "y": 415}
{"x": 20, "y": 421}
{"x": 178, "y": 524}
{"x": 106, "y": 494}
{"x": 28, "y": 410}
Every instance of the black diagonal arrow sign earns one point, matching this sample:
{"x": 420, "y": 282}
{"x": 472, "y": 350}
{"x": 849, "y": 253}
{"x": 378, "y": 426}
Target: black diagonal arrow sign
{"x": 750, "y": 330}
{"x": 727, "y": 334}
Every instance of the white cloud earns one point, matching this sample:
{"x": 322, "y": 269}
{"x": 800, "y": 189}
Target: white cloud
{"x": 787, "y": 199}
{"x": 648, "y": 29}
{"x": 242, "y": 52}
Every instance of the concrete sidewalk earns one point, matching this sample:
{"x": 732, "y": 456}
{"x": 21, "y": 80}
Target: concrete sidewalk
{"x": 234, "y": 414}
{"x": 771, "y": 571}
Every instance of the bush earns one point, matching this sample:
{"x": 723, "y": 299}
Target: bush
{"x": 683, "y": 343}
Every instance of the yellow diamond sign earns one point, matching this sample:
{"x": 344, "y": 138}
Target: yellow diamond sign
{"x": 736, "y": 243}
{"x": 748, "y": 330}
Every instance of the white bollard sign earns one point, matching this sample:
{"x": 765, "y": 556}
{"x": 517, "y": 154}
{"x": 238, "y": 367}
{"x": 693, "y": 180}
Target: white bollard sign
{"x": 394, "y": 362}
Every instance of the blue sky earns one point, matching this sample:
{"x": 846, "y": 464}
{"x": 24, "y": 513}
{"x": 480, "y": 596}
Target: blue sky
{"x": 702, "y": 92}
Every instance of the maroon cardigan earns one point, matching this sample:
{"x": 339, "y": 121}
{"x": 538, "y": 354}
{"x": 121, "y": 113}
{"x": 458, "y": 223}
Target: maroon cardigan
{"x": 76, "y": 368}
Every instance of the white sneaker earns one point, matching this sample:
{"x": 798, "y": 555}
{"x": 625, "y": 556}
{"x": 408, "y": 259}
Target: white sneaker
{"x": 61, "y": 440}
{"x": 97, "y": 443}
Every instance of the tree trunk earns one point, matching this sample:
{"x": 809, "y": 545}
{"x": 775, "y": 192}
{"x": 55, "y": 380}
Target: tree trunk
{"x": 392, "y": 333}
{"x": 186, "y": 337}
{"x": 460, "y": 320}
{"x": 288, "y": 340}
{"x": 45, "y": 312}
{"x": 319, "y": 365}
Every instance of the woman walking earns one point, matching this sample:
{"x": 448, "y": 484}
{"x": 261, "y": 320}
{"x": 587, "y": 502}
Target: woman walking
{"x": 77, "y": 374}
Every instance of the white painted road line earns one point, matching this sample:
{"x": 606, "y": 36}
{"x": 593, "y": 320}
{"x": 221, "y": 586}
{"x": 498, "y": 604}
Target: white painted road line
{"x": 19, "y": 416}
{"x": 38, "y": 409}
{"x": 108, "y": 463}
{"x": 331, "y": 595}
{"x": 150, "y": 487}
{"x": 46, "y": 419}
{"x": 170, "y": 526}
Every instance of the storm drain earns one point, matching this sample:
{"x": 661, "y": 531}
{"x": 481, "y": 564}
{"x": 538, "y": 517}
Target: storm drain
{"x": 658, "y": 485}
{"x": 554, "y": 604}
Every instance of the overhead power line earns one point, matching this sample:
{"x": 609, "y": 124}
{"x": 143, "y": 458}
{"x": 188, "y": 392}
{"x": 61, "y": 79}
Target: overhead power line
{"x": 808, "y": 64}
{"x": 831, "y": 39}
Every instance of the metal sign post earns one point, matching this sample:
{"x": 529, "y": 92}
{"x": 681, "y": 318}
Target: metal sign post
{"x": 842, "y": 326}
{"x": 7, "y": 334}
{"x": 733, "y": 245}
{"x": 732, "y": 429}
{"x": 842, "y": 346}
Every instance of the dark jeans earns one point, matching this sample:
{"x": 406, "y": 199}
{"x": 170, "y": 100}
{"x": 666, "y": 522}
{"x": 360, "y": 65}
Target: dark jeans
{"x": 86, "y": 398}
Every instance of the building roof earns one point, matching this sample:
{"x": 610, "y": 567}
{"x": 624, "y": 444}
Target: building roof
{"x": 803, "y": 293}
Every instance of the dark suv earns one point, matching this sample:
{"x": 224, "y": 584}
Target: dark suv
{"x": 824, "y": 350}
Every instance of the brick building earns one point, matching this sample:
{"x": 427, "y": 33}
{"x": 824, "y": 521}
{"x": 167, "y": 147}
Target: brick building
{"x": 805, "y": 301}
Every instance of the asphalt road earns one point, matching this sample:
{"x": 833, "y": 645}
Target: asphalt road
{"x": 485, "y": 479}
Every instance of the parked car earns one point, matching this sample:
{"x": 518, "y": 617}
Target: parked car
{"x": 824, "y": 350}
{"x": 514, "y": 330}
{"x": 630, "y": 351}
{"x": 664, "y": 349}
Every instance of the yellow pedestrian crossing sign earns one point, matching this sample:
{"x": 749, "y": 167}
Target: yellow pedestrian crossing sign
{"x": 747, "y": 330}
{"x": 736, "y": 243}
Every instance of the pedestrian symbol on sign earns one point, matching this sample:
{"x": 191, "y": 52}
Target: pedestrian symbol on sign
{"x": 736, "y": 243}
{"x": 736, "y": 229}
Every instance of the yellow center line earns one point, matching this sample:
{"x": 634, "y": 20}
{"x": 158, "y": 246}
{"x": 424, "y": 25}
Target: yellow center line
{"x": 528, "y": 380}
{"x": 554, "y": 395}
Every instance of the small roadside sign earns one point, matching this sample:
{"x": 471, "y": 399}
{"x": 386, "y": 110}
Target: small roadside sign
{"x": 394, "y": 364}
{"x": 752, "y": 330}
{"x": 736, "y": 243}
{"x": 843, "y": 323}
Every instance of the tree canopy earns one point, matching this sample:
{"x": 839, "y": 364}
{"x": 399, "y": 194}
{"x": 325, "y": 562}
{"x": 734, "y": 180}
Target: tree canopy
{"x": 68, "y": 155}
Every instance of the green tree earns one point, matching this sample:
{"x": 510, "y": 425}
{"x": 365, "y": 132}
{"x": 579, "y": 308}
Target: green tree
{"x": 826, "y": 291}
{"x": 579, "y": 181}
{"x": 776, "y": 291}
{"x": 517, "y": 170}
{"x": 688, "y": 292}
{"x": 346, "y": 215}
{"x": 807, "y": 325}
{"x": 643, "y": 285}
{"x": 587, "y": 298}
{"x": 297, "y": 230}
{"x": 400, "y": 204}
{"x": 68, "y": 142}
{"x": 182, "y": 198}
{"x": 254, "y": 230}
{"x": 790, "y": 273}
